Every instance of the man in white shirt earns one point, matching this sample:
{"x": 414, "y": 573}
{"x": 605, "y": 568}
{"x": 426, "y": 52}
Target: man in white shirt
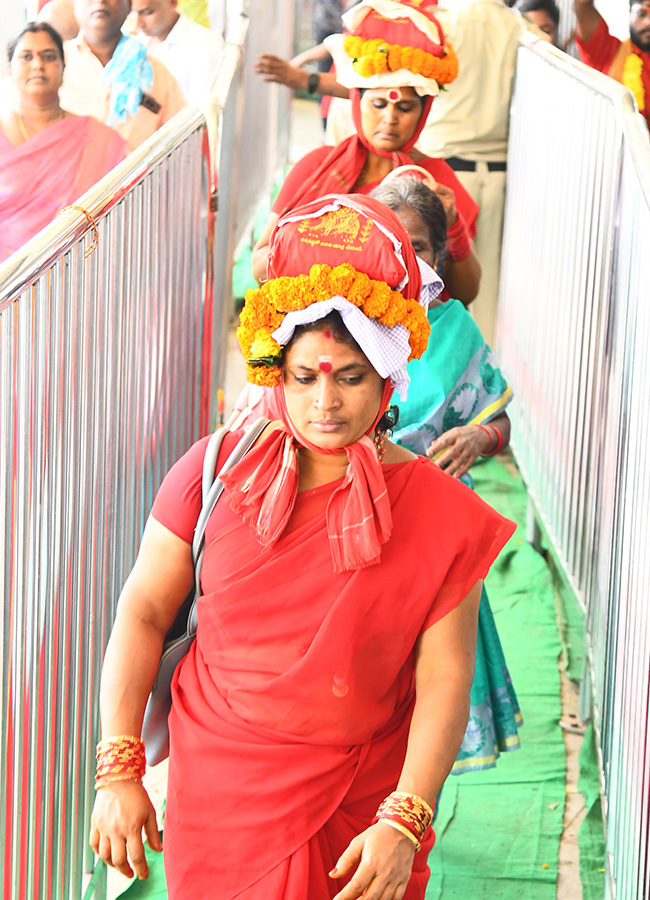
{"x": 468, "y": 127}
{"x": 108, "y": 75}
{"x": 190, "y": 51}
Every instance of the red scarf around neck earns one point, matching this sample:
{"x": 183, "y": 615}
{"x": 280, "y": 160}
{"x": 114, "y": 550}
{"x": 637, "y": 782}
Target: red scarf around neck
{"x": 262, "y": 489}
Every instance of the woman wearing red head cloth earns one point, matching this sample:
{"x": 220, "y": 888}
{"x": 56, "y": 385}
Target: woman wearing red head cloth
{"x": 324, "y": 699}
{"x": 394, "y": 60}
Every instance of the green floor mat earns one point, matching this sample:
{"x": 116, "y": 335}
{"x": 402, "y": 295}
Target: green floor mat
{"x": 499, "y": 830}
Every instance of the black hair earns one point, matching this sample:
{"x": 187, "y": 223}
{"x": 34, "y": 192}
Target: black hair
{"x": 405, "y": 191}
{"x": 340, "y": 332}
{"x": 36, "y": 28}
{"x": 548, "y": 6}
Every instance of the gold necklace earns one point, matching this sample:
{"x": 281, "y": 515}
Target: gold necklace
{"x": 23, "y": 129}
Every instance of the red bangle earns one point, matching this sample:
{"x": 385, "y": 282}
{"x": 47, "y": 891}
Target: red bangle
{"x": 499, "y": 443}
{"x": 459, "y": 245}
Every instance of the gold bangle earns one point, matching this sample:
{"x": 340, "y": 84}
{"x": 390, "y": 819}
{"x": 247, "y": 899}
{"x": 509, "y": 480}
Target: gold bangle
{"x": 403, "y": 830}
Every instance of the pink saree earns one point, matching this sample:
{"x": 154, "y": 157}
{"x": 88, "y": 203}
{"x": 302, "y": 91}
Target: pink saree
{"x": 50, "y": 171}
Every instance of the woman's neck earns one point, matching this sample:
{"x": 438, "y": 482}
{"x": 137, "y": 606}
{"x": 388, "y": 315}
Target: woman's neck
{"x": 375, "y": 168}
{"x": 316, "y": 469}
{"x": 35, "y": 117}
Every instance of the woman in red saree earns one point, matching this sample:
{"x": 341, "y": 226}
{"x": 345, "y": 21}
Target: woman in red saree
{"x": 394, "y": 62}
{"x": 48, "y": 157}
{"x": 336, "y": 635}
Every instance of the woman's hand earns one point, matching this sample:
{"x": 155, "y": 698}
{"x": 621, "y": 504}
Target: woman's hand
{"x": 385, "y": 860}
{"x": 120, "y": 813}
{"x": 462, "y": 446}
{"x": 448, "y": 201}
{"x": 280, "y": 71}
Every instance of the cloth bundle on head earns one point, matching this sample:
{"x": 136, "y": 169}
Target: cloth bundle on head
{"x": 378, "y": 301}
{"x": 377, "y": 296}
{"x": 395, "y": 44}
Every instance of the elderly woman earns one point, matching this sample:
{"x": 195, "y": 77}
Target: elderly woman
{"x": 323, "y": 702}
{"x": 394, "y": 66}
{"x": 48, "y": 157}
{"x": 455, "y": 412}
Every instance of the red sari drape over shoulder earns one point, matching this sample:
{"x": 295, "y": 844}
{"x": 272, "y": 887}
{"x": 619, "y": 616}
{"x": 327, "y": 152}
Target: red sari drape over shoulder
{"x": 49, "y": 171}
{"x": 290, "y": 715}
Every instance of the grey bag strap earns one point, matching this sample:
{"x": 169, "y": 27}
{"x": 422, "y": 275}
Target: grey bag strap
{"x": 212, "y": 489}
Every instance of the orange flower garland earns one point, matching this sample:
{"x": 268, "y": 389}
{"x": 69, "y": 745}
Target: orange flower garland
{"x": 632, "y": 79}
{"x": 376, "y": 56}
{"x": 266, "y": 307}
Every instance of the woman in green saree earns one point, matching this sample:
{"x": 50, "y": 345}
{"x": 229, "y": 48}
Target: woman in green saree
{"x": 455, "y": 413}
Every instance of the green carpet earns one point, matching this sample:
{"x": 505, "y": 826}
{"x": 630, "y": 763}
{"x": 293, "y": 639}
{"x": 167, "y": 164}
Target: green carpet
{"x": 499, "y": 830}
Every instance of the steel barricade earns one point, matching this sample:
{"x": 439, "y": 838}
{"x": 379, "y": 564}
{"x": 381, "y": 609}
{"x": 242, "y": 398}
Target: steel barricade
{"x": 103, "y": 357}
{"x": 572, "y": 330}
{"x": 249, "y": 123}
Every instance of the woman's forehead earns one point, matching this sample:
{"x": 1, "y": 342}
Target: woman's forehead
{"x": 322, "y": 343}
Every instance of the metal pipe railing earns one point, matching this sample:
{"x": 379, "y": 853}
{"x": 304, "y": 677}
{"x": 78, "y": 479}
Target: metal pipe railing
{"x": 572, "y": 332}
{"x": 101, "y": 361}
{"x": 108, "y": 360}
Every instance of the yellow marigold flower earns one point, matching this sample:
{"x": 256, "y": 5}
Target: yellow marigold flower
{"x": 379, "y": 300}
{"x": 418, "y": 59}
{"x": 264, "y": 376}
{"x": 342, "y": 278}
{"x": 395, "y": 312}
{"x": 394, "y": 57}
{"x": 380, "y": 62}
{"x": 364, "y": 67}
{"x": 419, "y": 339}
{"x": 407, "y": 57}
{"x": 448, "y": 67}
{"x": 360, "y": 289}
{"x": 427, "y": 65}
{"x": 632, "y": 79}
{"x": 352, "y": 45}
{"x": 264, "y": 345}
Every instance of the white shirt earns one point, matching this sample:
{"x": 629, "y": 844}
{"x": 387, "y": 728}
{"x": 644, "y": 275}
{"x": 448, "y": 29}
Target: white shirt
{"x": 191, "y": 53}
{"x": 470, "y": 119}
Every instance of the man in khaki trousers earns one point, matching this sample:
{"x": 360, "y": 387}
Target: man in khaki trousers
{"x": 468, "y": 127}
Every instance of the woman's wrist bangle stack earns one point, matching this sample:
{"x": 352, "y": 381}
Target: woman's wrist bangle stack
{"x": 406, "y": 813}
{"x": 495, "y": 436}
{"x": 312, "y": 82}
{"x": 120, "y": 758}
{"x": 459, "y": 245}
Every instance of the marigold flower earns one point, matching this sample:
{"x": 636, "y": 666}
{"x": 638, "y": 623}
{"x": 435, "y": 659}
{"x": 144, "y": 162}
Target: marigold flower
{"x": 395, "y": 311}
{"x": 266, "y": 307}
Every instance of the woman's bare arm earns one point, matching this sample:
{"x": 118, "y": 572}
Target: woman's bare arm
{"x": 154, "y": 591}
{"x": 280, "y": 71}
{"x": 457, "y": 450}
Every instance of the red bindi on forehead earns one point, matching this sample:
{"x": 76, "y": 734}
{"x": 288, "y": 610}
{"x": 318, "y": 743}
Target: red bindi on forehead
{"x": 325, "y": 366}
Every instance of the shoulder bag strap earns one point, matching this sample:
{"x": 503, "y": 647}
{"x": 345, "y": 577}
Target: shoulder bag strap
{"x": 212, "y": 488}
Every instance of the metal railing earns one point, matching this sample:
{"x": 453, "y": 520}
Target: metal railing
{"x": 108, "y": 361}
{"x": 103, "y": 357}
{"x": 572, "y": 334}
{"x": 249, "y": 126}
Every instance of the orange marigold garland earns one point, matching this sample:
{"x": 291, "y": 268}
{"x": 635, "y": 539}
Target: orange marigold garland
{"x": 266, "y": 307}
{"x": 377, "y": 56}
